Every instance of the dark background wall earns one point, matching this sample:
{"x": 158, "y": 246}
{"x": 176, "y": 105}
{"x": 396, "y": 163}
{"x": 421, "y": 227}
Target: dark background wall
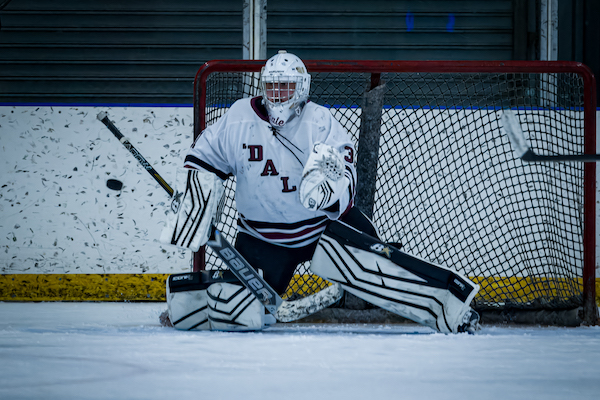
{"x": 99, "y": 51}
{"x": 579, "y": 33}
{"x": 138, "y": 52}
{"x": 393, "y": 30}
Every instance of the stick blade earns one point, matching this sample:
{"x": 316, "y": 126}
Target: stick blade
{"x": 513, "y": 130}
{"x": 290, "y": 311}
{"x": 515, "y": 134}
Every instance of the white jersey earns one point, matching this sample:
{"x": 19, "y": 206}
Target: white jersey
{"x": 268, "y": 166}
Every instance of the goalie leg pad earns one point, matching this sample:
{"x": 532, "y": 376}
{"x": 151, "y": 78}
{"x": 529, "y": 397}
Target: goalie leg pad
{"x": 231, "y": 307}
{"x": 413, "y": 288}
{"x": 194, "y": 208}
{"x": 187, "y": 302}
{"x": 187, "y": 298}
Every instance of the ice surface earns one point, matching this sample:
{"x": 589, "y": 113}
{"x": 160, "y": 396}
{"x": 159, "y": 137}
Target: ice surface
{"x": 119, "y": 351}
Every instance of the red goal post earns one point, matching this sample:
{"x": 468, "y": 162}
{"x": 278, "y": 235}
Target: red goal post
{"x": 447, "y": 185}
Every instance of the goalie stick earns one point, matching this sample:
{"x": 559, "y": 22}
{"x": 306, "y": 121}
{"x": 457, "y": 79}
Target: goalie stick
{"x": 515, "y": 134}
{"x": 284, "y": 311}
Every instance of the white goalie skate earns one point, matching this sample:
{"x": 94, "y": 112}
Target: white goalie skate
{"x": 470, "y": 323}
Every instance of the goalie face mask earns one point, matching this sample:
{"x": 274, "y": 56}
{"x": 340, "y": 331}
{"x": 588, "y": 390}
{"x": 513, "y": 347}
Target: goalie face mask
{"x": 284, "y": 84}
{"x": 279, "y": 92}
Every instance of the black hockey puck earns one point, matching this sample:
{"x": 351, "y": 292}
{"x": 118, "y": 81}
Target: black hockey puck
{"x": 114, "y": 184}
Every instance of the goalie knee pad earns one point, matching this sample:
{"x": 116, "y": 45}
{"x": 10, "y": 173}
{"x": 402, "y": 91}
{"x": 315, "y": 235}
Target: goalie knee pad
{"x": 231, "y": 307}
{"x": 413, "y": 288}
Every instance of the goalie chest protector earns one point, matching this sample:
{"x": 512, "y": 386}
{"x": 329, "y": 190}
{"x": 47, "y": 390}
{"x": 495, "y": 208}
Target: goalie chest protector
{"x": 268, "y": 166}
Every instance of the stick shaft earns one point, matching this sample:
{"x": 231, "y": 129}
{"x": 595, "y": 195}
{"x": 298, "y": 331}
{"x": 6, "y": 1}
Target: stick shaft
{"x": 532, "y": 157}
{"x": 228, "y": 254}
{"x": 247, "y": 275}
{"x": 103, "y": 117}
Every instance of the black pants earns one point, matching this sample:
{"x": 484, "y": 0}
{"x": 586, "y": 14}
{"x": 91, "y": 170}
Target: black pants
{"x": 279, "y": 263}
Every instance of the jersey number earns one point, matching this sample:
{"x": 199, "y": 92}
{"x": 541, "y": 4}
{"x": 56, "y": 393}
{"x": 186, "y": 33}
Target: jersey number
{"x": 349, "y": 157}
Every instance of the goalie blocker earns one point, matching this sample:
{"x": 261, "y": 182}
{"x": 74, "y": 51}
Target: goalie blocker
{"x": 415, "y": 289}
{"x": 195, "y": 206}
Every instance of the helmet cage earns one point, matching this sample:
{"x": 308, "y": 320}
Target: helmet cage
{"x": 286, "y": 91}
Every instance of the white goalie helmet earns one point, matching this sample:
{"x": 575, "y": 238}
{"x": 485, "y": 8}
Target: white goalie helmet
{"x": 284, "y": 83}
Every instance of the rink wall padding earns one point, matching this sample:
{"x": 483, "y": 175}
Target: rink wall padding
{"x": 151, "y": 287}
{"x": 83, "y": 287}
{"x": 305, "y": 283}
{"x": 524, "y": 290}
{"x": 69, "y": 237}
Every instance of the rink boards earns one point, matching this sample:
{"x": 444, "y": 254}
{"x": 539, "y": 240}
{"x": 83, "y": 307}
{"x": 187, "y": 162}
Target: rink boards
{"x": 69, "y": 237}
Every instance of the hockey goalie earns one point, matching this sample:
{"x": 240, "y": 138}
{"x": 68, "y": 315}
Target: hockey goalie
{"x": 295, "y": 184}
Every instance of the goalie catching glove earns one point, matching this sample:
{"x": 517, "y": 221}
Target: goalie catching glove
{"x": 195, "y": 207}
{"x": 323, "y": 180}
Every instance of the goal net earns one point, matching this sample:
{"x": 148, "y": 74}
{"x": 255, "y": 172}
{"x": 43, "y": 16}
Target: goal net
{"x": 447, "y": 184}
